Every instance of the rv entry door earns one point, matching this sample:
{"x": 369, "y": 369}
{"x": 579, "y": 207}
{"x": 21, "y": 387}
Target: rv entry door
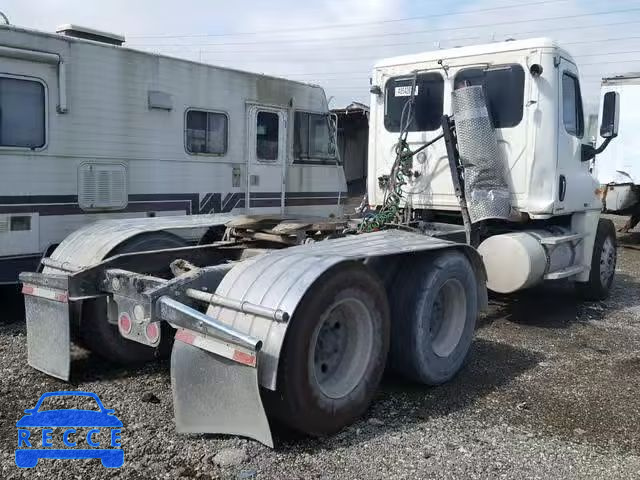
{"x": 266, "y": 158}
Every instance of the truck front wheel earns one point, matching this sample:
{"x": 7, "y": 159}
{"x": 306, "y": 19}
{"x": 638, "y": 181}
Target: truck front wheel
{"x": 603, "y": 263}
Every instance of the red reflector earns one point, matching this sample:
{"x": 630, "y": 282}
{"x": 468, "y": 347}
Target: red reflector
{"x": 152, "y": 331}
{"x": 27, "y": 289}
{"x": 124, "y": 322}
{"x": 245, "y": 358}
{"x": 185, "y": 337}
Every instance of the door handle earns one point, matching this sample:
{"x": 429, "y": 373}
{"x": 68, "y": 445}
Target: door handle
{"x": 563, "y": 188}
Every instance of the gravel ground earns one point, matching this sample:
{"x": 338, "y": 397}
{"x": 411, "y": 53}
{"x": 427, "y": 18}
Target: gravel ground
{"x": 551, "y": 390}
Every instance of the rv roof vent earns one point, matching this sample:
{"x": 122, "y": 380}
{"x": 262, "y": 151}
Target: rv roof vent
{"x": 76, "y": 31}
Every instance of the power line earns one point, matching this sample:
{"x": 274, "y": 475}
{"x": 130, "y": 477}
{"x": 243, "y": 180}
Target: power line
{"x": 622, "y": 52}
{"x": 278, "y": 59}
{"x": 324, "y": 47}
{"x": 511, "y": 22}
{"x": 306, "y": 73}
{"x": 397, "y": 44}
{"x": 351, "y": 25}
{"x": 320, "y": 73}
{"x": 416, "y": 43}
{"x": 583, "y": 42}
{"x": 611, "y": 62}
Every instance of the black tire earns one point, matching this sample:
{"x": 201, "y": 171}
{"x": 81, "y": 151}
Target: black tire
{"x": 603, "y": 263}
{"x": 316, "y": 406}
{"x": 437, "y": 292}
{"x": 102, "y": 337}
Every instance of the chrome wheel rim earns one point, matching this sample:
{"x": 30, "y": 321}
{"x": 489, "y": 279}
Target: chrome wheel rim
{"x": 608, "y": 256}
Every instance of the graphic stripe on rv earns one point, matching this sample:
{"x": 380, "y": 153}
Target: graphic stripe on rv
{"x": 189, "y": 202}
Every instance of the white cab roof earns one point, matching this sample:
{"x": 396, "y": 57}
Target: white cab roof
{"x": 470, "y": 51}
{"x": 631, "y": 78}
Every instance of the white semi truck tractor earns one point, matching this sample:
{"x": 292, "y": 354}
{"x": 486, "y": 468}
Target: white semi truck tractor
{"x": 479, "y": 178}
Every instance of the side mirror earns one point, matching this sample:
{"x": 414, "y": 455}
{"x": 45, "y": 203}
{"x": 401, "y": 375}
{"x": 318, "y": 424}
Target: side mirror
{"x": 608, "y": 126}
{"x": 610, "y": 115}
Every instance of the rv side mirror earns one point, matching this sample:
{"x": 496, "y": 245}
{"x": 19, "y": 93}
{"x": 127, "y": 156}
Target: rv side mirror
{"x": 610, "y": 115}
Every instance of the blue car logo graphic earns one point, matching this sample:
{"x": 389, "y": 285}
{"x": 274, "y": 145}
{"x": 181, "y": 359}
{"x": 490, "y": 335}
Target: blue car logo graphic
{"x": 98, "y": 423}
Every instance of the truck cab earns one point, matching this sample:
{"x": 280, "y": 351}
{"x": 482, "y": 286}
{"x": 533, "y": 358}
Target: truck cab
{"x": 540, "y": 154}
{"x": 532, "y": 91}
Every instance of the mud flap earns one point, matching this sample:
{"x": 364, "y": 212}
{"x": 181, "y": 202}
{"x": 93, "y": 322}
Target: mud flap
{"x": 48, "y": 338}
{"x": 213, "y": 393}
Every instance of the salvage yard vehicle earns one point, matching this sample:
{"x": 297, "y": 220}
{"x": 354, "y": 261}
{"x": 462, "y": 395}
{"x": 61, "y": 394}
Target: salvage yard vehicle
{"x": 617, "y": 168}
{"x": 479, "y": 178}
{"x": 92, "y": 130}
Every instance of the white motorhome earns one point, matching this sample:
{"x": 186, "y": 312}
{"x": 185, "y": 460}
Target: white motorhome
{"x": 92, "y": 130}
{"x": 618, "y": 167}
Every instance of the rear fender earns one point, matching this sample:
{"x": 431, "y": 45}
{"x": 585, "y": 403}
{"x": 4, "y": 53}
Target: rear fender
{"x": 280, "y": 279}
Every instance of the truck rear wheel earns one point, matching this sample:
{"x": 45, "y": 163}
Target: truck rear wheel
{"x": 603, "y": 263}
{"x": 335, "y": 352}
{"x": 434, "y": 319}
{"x": 102, "y": 337}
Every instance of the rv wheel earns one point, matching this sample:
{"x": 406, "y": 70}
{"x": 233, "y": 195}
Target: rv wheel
{"x": 603, "y": 263}
{"x": 102, "y": 337}
{"x": 334, "y": 352}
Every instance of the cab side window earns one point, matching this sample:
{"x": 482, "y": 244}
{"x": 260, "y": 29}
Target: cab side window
{"x": 572, "y": 115}
{"x": 503, "y": 89}
{"x": 429, "y": 98}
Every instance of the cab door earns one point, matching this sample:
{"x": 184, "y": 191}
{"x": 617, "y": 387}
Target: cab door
{"x": 266, "y": 158}
{"x": 575, "y": 185}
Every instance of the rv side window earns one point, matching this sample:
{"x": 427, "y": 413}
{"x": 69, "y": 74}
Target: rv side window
{"x": 22, "y": 113}
{"x": 267, "y": 133}
{"x": 504, "y": 91}
{"x": 206, "y": 132}
{"x": 312, "y": 138}
{"x": 429, "y": 98}
{"x": 572, "y": 115}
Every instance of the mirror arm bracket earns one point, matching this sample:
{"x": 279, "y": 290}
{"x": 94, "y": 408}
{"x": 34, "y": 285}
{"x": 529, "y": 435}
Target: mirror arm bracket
{"x": 589, "y": 152}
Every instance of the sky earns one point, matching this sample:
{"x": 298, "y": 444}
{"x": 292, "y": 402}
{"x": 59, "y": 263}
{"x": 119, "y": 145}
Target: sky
{"x": 334, "y": 43}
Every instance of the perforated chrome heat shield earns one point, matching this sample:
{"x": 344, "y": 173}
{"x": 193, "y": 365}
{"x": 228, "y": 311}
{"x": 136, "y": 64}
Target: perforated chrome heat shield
{"x": 486, "y": 188}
